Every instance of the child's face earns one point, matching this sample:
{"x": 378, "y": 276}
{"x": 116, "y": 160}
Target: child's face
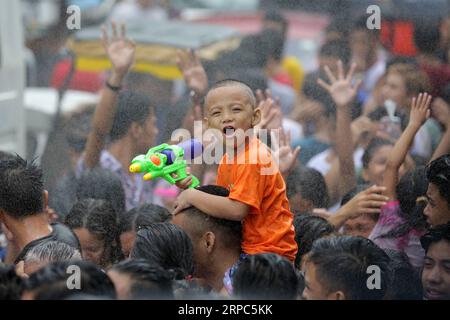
{"x": 229, "y": 109}
{"x": 375, "y": 170}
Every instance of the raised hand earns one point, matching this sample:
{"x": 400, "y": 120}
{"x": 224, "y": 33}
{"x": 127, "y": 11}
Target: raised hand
{"x": 341, "y": 89}
{"x": 420, "y": 110}
{"x": 367, "y": 201}
{"x": 193, "y": 72}
{"x": 120, "y": 49}
{"x": 284, "y": 153}
{"x": 271, "y": 116}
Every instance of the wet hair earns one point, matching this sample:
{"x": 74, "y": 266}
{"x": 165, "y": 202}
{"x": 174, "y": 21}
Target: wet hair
{"x": 310, "y": 184}
{"x": 229, "y": 230}
{"x": 434, "y": 235}
{"x": 337, "y": 48}
{"x": 273, "y": 42}
{"x": 277, "y": 17}
{"x": 438, "y": 173}
{"x": 142, "y": 216}
{"x": 315, "y": 92}
{"x": 131, "y": 107}
{"x": 309, "y": 228}
{"x": 426, "y": 37}
{"x": 6, "y": 156}
{"x": 99, "y": 218}
{"x": 21, "y": 187}
{"x": 235, "y": 83}
{"x": 148, "y": 280}
{"x": 11, "y": 285}
{"x": 372, "y": 148}
{"x": 103, "y": 184}
{"x": 52, "y": 251}
{"x": 51, "y": 282}
{"x": 166, "y": 245}
{"x": 405, "y": 281}
{"x": 77, "y": 126}
{"x": 342, "y": 263}
{"x": 415, "y": 79}
{"x": 410, "y": 188}
{"x": 265, "y": 276}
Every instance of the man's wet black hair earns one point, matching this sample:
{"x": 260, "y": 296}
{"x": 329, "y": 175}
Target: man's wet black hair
{"x": 11, "y": 285}
{"x": 438, "y": 173}
{"x": 51, "y": 282}
{"x": 103, "y": 184}
{"x": 149, "y": 280}
{"x": 310, "y": 184}
{"x": 142, "y": 216}
{"x": 166, "y": 245}
{"x": 434, "y": 235}
{"x": 100, "y": 218}
{"x": 21, "y": 187}
{"x": 230, "y": 230}
{"x": 265, "y": 276}
{"x": 405, "y": 281}
{"x": 342, "y": 263}
{"x": 373, "y": 146}
{"x": 309, "y": 228}
{"x": 131, "y": 107}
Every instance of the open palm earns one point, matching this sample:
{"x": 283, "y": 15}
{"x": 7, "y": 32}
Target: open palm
{"x": 193, "y": 72}
{"x": 120, "y": 49}
{"x": 341, "y": 89}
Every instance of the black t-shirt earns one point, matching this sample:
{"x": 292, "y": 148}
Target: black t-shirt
{"x": 60, "y": 233}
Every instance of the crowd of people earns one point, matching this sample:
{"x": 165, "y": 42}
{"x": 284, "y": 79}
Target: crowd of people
{"x": 357, "y": 208}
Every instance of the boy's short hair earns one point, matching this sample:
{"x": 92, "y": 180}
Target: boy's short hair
{"x": 52, "y": 251}
{"x": 21, "y": 187}
{"x": 265, "y": 276}
{"x": 230, "y": 230}
{"x": 131, "y": 107}
{"x": 235, "y": 83}
{"x": 434, "y": 235}
{"x": 310, "y": 184}
{"x": 342, "y": 263}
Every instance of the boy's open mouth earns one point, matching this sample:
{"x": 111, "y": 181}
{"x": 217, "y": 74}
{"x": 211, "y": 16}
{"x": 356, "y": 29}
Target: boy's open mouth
{"x": 228, "y": 131}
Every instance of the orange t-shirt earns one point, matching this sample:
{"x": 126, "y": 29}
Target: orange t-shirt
{"x": 254, "y": 179}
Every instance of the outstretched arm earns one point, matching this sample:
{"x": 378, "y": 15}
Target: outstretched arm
{"x": 343, "y": 92}
{"x": 420, "y": 111}
{"x": 216, "y": 206}
{"x": 120, "y": 51}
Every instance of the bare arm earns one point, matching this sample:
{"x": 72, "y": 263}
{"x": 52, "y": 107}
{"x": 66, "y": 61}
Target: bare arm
{"x": 121, "y": 53}
{"x": 343, "y": 93}
{"x": 419, "y": 113}
{"x": 216, "y": 206}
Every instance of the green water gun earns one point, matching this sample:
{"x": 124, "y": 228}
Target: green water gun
{"x": 167, "y": 161}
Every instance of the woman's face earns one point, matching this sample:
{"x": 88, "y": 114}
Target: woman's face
{"x": 92, "y": 247}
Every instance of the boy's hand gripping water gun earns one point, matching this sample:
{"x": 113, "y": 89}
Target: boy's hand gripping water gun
{"x": 168, "y": 161}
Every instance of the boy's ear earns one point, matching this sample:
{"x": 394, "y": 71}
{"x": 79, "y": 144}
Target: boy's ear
{"x": 205, "y": 123}
{"x": 45, "y": 199}
{"x": 256, "y": 116}
{"x": 135, "y": 130}
{"x": 364, "y": 175}
{"x": 210, "y": 241}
